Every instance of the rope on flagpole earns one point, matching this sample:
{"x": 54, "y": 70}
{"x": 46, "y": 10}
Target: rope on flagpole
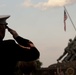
{"x": 70, "y": 18}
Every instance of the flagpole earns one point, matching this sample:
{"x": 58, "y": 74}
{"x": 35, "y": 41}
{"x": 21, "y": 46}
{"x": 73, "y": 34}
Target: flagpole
{"x": 70, "y": 18}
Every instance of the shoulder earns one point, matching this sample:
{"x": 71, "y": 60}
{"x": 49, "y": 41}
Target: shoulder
{"x": 9, "y": 41}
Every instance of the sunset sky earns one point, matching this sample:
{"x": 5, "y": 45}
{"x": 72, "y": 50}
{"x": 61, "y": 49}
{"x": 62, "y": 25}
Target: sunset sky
{"x": 42, "y": 22}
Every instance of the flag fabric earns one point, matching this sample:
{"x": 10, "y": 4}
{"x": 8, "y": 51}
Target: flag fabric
{"x": 65, "y": 18}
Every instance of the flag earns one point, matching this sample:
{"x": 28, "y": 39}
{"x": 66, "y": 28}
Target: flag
{"x": 65, "y": 18}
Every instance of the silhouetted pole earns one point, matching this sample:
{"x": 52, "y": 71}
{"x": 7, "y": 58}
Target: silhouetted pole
{"x": 70, "y": 18}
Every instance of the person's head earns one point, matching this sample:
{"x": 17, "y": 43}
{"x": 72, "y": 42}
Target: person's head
{"x": 3, "y": 25}
{"x": 70, "y": 40}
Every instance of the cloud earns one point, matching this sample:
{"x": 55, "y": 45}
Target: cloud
{"x": 48, "y": 4}
{"x": 27, "y": 3}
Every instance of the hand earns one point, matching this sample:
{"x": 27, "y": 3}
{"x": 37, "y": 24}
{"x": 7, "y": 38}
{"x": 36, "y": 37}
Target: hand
{"x": 57, "y": 60}
{"x": 31, "y": 45}
{"x": 13, "y": 32}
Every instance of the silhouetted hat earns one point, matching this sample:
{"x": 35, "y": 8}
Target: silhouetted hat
{"x": 3, "y": 19}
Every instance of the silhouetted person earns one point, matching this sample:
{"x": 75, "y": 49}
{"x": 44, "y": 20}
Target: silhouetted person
{"x": 67, "y": 52}
{"x": 73, "y": 58}
{"x": 14, "y": 50}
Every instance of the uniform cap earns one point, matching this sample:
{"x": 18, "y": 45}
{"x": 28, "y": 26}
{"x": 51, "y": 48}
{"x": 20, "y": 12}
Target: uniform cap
{"x": 3, "y": 19}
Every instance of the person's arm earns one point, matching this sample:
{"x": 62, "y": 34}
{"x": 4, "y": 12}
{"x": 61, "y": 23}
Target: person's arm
{"x": 13, "y": 32}
{"x": 61, "y": 56}
{"x": 30, "y": 53}
{"x": 20, "y": 40}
